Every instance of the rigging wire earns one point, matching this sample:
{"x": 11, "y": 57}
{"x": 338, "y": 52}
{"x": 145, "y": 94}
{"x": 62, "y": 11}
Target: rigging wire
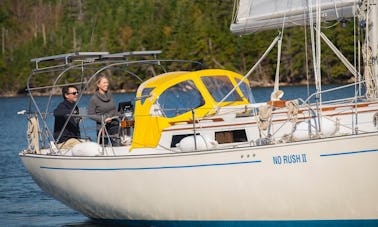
{"x": 357, "y": 87}
{"x": 312, "y": 37}
{"x": 276, "y": 94}
{"x": 306, "y": 53}
{"x": 267, "y": 51}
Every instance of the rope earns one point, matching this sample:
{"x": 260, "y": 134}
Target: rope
{"x": 375, "y": 120}
{"x": 368, "y": 74}
{"x": 265, "y": 113}
{"x": 32, "y": 135}
{"x": 292, "y": 113}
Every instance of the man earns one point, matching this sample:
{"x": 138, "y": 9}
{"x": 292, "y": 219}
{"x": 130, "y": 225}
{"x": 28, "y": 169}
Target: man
{"x": 71, "y": 132}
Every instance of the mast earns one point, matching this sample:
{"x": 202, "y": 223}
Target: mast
{"x": 370, "y": 15}
{"x": 373, "y": 37}
{"x": 374, "y": 34}
{"x": 317, "y": 60}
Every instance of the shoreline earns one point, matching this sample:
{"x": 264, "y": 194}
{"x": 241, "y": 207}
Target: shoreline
{"x": 255, "y": 84}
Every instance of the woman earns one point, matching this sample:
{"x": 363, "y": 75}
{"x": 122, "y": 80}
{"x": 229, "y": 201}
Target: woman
{"x": 102, "y": 108}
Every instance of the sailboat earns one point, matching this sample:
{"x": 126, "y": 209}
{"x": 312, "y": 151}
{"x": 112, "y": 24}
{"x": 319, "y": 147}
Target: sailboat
{"x": 196, "y": 148}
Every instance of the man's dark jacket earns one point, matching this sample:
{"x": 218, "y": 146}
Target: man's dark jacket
{"x": 72, "y": 129}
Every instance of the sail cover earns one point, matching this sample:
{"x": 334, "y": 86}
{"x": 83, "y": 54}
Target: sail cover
{"x": 257, "y": 15}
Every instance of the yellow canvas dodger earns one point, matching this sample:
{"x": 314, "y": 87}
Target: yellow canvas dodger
{"x": 170, "y": 98}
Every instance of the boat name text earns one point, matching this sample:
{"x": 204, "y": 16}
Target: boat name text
{"x": 289, "y": 159}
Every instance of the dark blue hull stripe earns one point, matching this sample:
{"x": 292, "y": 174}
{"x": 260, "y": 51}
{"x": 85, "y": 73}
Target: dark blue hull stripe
{"x": 154, "y": 168}
{"x": 348, "y": 153}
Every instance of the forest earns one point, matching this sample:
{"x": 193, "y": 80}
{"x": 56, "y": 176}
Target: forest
{"x": 197, "y": 30}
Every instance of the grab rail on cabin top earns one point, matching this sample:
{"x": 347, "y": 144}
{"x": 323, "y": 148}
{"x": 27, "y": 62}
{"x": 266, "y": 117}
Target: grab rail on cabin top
{"x": 356, "y": 97}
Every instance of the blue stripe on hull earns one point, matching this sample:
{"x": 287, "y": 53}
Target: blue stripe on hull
{"x": 154, "y": 168}
{"x": 348, "y": 153}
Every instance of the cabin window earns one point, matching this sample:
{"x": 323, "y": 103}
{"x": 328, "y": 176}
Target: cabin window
{"x": 246, "y": 90}
{"x": 219, "y": 87}
{"x": 231, "y": 136}
{"x": 179, "y": 99}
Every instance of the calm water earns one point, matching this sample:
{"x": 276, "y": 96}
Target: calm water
{"x": 22, "y": 203}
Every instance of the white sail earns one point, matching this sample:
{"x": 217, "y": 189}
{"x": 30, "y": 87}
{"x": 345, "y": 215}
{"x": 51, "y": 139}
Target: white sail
{"x": 257, "y": 15}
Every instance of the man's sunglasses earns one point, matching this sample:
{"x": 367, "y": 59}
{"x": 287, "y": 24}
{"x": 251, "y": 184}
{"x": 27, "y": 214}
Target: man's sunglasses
{"x": 73, "y": 93}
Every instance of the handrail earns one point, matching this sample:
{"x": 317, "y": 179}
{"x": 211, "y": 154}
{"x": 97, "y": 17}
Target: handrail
{"x": 332, "y": 89}
{"x": 92, "y": 63}
{"x": 89, "y": 57}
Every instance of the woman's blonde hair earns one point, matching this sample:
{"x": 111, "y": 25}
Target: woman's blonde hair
{"x": 99, "y": 80}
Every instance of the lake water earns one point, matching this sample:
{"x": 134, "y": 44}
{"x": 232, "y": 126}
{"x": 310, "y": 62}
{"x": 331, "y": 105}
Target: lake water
{"x": 22, "y": 202}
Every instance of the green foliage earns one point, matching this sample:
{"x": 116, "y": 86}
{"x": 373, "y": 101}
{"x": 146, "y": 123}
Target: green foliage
{"x": 186, "y": 29}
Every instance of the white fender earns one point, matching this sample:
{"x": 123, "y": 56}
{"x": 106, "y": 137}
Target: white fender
{"x": 301, "y": 130}
{"x": 86, "y": 149}
{"x": 202, "y": 142}
{"x": 329, "y": 128}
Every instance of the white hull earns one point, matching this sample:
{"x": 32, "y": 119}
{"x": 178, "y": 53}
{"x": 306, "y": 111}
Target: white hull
{"x": 325, "y": 179}
{"x": 202, "y": 150}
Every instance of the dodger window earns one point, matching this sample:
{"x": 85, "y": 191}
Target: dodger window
{"x": 145, "y": 93}
{"x": 180, "y": 99}
{"x": 246, "y": 90}
{"x": 219, "y": 87}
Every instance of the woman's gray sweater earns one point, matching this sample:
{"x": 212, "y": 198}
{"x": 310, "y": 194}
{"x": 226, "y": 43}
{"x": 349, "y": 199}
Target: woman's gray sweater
{"x": 101, "y": 106}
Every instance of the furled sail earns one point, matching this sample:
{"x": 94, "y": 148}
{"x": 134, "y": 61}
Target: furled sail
{"x": 257, "y": 15}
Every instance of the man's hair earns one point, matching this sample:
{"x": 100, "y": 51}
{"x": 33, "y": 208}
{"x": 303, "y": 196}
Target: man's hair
{"x": 65, "y": 90}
